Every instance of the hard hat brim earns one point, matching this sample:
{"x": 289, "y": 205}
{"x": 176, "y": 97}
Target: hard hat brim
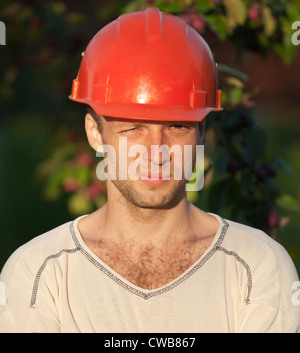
{"x": 149, "y": 111}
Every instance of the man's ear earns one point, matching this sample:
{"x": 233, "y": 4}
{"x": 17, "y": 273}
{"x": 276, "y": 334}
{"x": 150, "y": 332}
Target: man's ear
{"x": 93, "y": 134}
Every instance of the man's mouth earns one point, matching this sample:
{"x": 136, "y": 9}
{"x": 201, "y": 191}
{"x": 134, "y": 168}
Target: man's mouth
{"x": 154, "y": 179}
{"x": 154, "y": 176}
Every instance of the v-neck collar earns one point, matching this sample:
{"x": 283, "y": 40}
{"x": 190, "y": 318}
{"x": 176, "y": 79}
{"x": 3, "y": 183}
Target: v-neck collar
{"x": 126, "y": 284}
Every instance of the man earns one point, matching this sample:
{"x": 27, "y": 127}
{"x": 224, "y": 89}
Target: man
{"x": 149, "y": 261}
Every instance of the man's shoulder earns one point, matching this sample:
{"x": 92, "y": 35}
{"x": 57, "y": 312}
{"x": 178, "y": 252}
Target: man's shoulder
{"x": 246, "y": 236}
{"x": 256, "y": 247}
{"x": 36, "y": 250}
{"x": 50, "y": 240}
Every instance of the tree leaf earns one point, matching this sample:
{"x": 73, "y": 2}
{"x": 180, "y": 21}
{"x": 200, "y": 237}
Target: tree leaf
{"x": 268, "y": 20}
{"x": 236, "y": 14}
{"x": 217, "y": 24}
{"x": 79, "y": 204}
{"x": 229, "y": 70}
{"x": 282, "y": 164}
{"x": 205, "y": 5}
{"x": 288, "y": 202}
{"x": 235, "y": 82}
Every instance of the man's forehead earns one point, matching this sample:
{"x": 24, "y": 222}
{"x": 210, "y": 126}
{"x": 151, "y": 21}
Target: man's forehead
{"x": 132, "y": 121}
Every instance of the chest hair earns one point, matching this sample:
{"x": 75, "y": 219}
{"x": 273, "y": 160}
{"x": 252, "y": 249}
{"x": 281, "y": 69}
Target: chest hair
{"x": 150, "y": 267}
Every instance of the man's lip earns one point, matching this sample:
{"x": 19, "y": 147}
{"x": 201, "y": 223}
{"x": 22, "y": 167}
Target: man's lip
{"x": 154, "y": 177}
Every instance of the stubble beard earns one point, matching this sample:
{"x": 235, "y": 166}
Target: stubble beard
{"x": 155, "y": 198}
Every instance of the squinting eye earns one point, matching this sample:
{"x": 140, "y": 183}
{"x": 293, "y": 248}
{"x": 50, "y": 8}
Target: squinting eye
{"x": 177, "y": 126}
{"x": 128, "y": 130}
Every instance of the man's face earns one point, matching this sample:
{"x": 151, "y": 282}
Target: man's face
{"x": 149, "y": 179}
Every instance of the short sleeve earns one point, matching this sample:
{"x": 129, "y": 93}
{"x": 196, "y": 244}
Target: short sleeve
{"x": 265, "y": 318}
{"x": 26, "y": 320}
{"x": 17, "y": 314}
{"x": 272, "y": 308}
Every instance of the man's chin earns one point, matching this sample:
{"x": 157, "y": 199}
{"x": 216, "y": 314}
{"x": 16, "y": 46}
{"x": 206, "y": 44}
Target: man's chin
{"x": 152, "y": 194}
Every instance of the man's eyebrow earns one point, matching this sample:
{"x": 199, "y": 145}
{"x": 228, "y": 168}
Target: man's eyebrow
{"x": 125, "y": 120}
{"x": 127, "y": 125}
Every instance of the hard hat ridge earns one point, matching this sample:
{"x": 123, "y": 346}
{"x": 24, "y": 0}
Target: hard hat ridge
{"x": 154, "y": 25}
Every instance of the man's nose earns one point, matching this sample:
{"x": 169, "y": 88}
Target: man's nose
{"x": 157, "y": 149}
{"x": 158, "y": 155}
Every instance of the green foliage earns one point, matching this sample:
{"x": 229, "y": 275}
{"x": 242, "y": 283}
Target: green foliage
{"x": 69, "y": 168}
{"x": 243, "y": 186}
{"x": 262, "y": 26}
{"x": 45, "y": 42}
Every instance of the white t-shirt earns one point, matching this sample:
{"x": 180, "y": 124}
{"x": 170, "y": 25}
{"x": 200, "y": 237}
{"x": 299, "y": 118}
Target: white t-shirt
{"x": 242, "y": 283}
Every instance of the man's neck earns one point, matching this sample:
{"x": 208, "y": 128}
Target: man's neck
{"x": 148, "y": 225}
{"x": 160, "y": 228}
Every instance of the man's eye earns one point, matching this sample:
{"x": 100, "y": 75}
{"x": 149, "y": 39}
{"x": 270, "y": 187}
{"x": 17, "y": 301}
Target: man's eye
{"x": 128, "y": 130}
{"x": 177, "y": 126}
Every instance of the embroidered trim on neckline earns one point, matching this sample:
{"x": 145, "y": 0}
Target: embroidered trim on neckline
{"x": 147, "y": 294}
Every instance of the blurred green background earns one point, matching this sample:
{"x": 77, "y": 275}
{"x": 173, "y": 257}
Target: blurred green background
{"x": 47, "y": 170}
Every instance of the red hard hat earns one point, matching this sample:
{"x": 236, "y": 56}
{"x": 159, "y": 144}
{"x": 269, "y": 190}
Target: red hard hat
{"x": 148, "y": 65}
